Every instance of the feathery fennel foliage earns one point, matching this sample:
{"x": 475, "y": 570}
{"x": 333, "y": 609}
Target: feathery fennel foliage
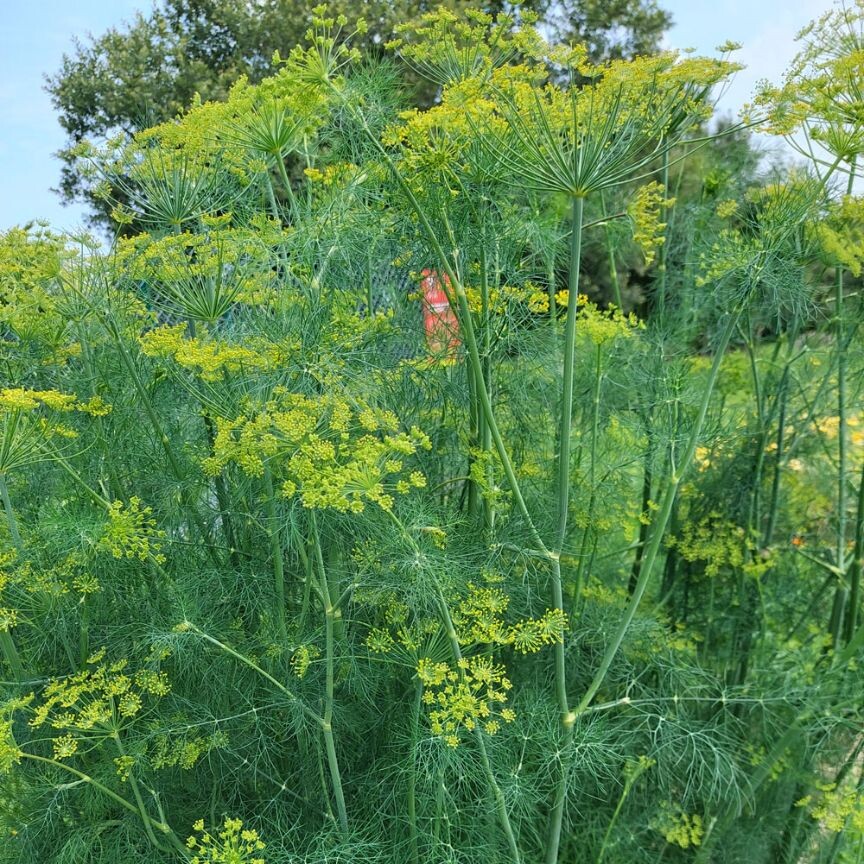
{"x": 282, "y": 579}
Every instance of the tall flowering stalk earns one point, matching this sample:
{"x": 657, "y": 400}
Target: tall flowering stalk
{"x": 604, "y": 127}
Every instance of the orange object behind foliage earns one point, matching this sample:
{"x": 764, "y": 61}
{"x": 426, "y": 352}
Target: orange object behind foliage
{"x": 439, "y": 319}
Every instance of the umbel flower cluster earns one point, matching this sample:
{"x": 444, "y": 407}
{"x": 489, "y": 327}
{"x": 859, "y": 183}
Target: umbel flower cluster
{"x": 329, "y": 452}
{"x": 463, "y": 484}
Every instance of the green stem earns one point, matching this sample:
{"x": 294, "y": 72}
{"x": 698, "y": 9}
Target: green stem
{"x": 662, "y": 254}
{"x": 659, "y": 527}
{"x": 283, "y": 175}
{"x": 153, "y": 417}
{"x": 327, "y": 722}
{"x": 566, "y": 419}
{"x": 139, "y": 800}
{"x": 149, "y": 822}
{"x": 645, "y": 503}
{"x": 610, "y": 254}
{"x": 762, "y": 773}
{"x": 370, "y": 300}
{"x": 566, "y": 717}
{"x": 308, "y": 712}
{"x": 773, "y": 501}
{"x": 850, "y": 624}
{"x": 838, "y": 609}
{"x": 11, "y": 521}
{"x": 223, "y": 498}
{"x": 840, "y": 596}
{"x": 11, "y": 656}
{"x": 592, "y": 471}
{"x": 84, "y": 632}
{"x": 110, "y": 793}
{"x": 106, "y": 452}
{"x": 474, "y": 414}
{"x": 271, "y": 197}
{"x": 94, "y": 496}
{"x": 613, "y": 821}
{"x": 485, "y": 431}
{"x": 7, "y": 642}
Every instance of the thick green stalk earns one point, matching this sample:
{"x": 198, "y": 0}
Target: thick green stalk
{"x": 271, "y": 197}
{"x": 841, "y": 594}
{"x": 442, "y": 817}
{"x": 647, "y": 486}
{"x": 485, "y": 431}
{"x": 610, "y": 254}
{"x": 754, "y": 515}
{"x": 283, "y": 175}
{"x": 662, "y": 254}
{"x": 11, "y": 521}
{"x": 566, "y": 419}
{"x": 475, "y": 500}
{"x": 567, "y": 719}
{"x": 774, "y": 498}
{"x": 662, "y": 520}
{"x": 329, "y": 659}
{"x": 325, "y": 789}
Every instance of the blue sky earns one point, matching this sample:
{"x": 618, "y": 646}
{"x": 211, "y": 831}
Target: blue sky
{"x": 35, "y": 34}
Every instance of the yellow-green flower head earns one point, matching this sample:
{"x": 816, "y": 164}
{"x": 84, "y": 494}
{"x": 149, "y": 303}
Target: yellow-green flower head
{"x": 98, "y": 701}
{"x": 131, "y": 532}
{"x": 822, "y": 90}
{"x": 332, "y": 453}
{"x": 232, "y": 844}
{"x": 582, "y": 137}
{"x": 27, "y": 426}
{"x": 465, "y": 698}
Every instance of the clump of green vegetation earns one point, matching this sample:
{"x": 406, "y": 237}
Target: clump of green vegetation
{"x": 574, "y": 575}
